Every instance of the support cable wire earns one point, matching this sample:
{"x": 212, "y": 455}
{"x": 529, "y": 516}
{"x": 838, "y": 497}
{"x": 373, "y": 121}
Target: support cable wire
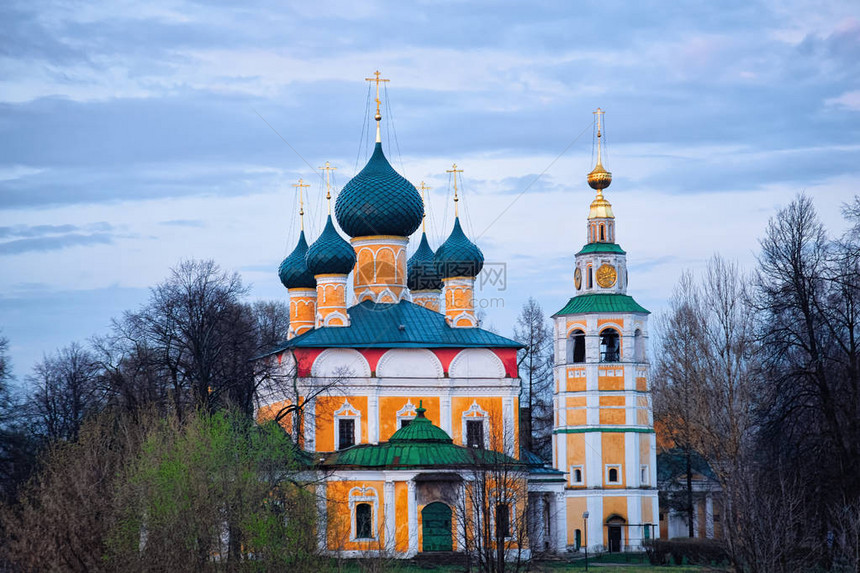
{"x": 394, "y": 129}
{"x": 361, "y": 142}
{"x": 533, "y": 181}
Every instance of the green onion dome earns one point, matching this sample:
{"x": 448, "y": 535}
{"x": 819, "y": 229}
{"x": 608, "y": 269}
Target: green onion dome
{"x": 294, "y": 272}
{"x": 421, "y": 269}
{"x": 458, "y": 256}
{"x": 379, "y": 201}
{"x": 420, "y": 429}
{"x": 330, "y": 253}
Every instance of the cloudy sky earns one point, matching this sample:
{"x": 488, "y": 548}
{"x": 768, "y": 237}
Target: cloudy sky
{"x": 133, "y": 135}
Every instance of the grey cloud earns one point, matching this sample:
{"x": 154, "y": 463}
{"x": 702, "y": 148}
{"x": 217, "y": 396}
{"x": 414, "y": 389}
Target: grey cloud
{"x": 183, "y": 223}
{"x": 19, "y": 246}
{"x": 31, "y": 231}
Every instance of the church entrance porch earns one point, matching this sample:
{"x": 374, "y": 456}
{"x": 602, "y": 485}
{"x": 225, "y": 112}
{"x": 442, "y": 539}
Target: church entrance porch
{"x": 436, "y": 527}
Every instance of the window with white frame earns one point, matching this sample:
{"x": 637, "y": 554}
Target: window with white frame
{"x": 476, "y": 427}
{"x": 576, "y": 475}
{"x": 613, "y": 473}
{"x": 347, "y": 426}
{"x": 643, "y": 475}
{"x": 406, "y": 414}
{"x": 363, "y": 509}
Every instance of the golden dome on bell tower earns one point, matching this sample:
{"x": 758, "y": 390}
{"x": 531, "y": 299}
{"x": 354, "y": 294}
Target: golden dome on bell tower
{"x": 599, "y": 179}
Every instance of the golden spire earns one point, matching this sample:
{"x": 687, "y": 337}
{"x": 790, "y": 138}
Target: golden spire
{"x": 455, "y": 171}
{"x": 599, "y": 178}
{"x": 328, "y": 169}
{"x": 424, "y": 188}
{"x": 301, "y": 185}
{"x": 378, "y": 116}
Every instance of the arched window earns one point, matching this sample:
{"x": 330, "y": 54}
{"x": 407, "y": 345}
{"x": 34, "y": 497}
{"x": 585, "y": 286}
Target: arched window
{"x": 602, "y": 233}
{"x": 503, "y": 520}
{"x": 363, "y": 521}
{"x": 577, "y": 476}
{"x": 639, "y": 346}
{"x": 576, "y": 347}
{"x": 610, "y": 346}
{"x": 613, "y": 475}
{"x": 590, "y": 278}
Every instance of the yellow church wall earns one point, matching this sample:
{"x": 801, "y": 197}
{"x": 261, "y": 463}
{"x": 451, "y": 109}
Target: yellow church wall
{"x": 642, "y": 411}
{"x": 389, "y": 406}
{"x": 601, "y": 322}
{"x": 576, "y": 411}
{"x": 491, "y": 405}
{"x": 576, "y": 506}
{"x": 324, "y": 419}
{"x": 615, "y": 506}
{"x": 270, "y": 412}
{"x": 612, "y": 445}
{"x": 612, "y": 410}
{"x": 644, "y": 449}
{"x": 401, "y": 511}
{"x": 575, "y": 325}
{"x": 576, "y": 379}
{"x": 339, "y": 517}
{"x": 641, "y": 384}
{"x": 648, "y": 512}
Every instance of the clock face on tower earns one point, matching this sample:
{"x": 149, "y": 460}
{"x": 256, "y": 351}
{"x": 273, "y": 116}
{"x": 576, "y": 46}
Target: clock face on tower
{"x": 577, "y": 278}
{"x": 606, "y": 275}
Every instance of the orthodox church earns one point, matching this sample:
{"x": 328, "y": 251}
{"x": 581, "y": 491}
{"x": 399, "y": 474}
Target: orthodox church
{"x": 409, "y": 410}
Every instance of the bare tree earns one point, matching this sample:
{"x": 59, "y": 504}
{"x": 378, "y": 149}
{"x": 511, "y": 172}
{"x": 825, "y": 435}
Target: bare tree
{"x": 65, "y": 392}
{"x": 535, "y": 369}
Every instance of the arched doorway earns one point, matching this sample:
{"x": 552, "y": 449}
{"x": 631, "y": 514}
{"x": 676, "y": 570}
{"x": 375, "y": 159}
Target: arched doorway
{"x": 436, "y": 527}
{"x": 615, "y": 534}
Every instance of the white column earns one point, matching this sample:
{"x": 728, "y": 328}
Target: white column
{"x": 560, "y": 521}
{"x": 412, "y": 504}
{"x": 390, "y": 521}
{"x": 539, "y": 515}
{"x": 593, "y": 459}
{"x": 508, "y": 424}
{"x": 322, "y": 510}
{"x": 634, "y": 519}
{"x": 373, "y": 418}
{"x": 310, "y": 425}
{"x": 594, "y": 526}
{"x": 709, "y": 516}
{"x": 461, "y": 511}
{"x": 563, "y": 464}
{"x": 631, "y": 460}
{"x": 445, "y": 412}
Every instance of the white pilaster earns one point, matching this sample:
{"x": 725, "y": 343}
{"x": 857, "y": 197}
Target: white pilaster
{"x": 412, "y": 504}
{"x": 322, "y": 510}
{"x": 594, "y": 527}
{"x": 508, "y": 424}
{"x": 593, "y": 459}
{"x": 445, "y": 412}
{"x": 390, "y": 517}
{"x": 634, "y": 518}
{"x": 709, "y": 516}
{"x": 373, "y": 418}
{"x": 309, "y": 414}
{"x": 631, "y": 462}
{"x": 560, "y": 521}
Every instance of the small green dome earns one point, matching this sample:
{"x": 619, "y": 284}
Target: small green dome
{"x": 421, "y": 270}
{"x": 458, "y": 256}
{"x": 330, "y": 253}
{"x": 420, "y": 429}
{"x": 379, "y": 201}
{"x": 294, "y": 272}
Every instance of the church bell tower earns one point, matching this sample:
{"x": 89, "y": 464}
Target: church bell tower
{"x": 603, "y": 436}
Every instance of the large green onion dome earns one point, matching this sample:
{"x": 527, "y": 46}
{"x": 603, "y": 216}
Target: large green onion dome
{"x": 379, "y": 201}
{"x": 421, "y": 269}
{"x": 420, "y": 429}
{"x": 458, "y": 256}
{"x": 330, "y": 253}
{"x": 294, "y": 272}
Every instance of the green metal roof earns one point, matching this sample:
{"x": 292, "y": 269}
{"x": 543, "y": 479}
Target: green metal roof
{"x": 400, "y": 325}
{"x": 420, "y": 444}
{"x": 586, "y": 303}
{"x": 601, "y": 248}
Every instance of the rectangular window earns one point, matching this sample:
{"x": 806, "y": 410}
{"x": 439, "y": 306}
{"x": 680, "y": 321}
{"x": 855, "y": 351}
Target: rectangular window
{"x": 405, "y": 422}
{"x": 363, "y": 514}
{"x": 475, "y": 433}
{"x": 345, "y": 434}
{"x": 613, "y": 474}
{"x": 643, "y": 475}
{"x": 503, "y": 521}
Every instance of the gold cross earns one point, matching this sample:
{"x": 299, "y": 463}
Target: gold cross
{"x": 378, "y": 80}
{"x": 424, "y": 202}
{"x": 328, "y": 169}
{"x": 455, "y": 171}
{"x": 301, "y": 185}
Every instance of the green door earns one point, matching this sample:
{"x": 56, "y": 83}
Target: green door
{"x": 436, "y": 520}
